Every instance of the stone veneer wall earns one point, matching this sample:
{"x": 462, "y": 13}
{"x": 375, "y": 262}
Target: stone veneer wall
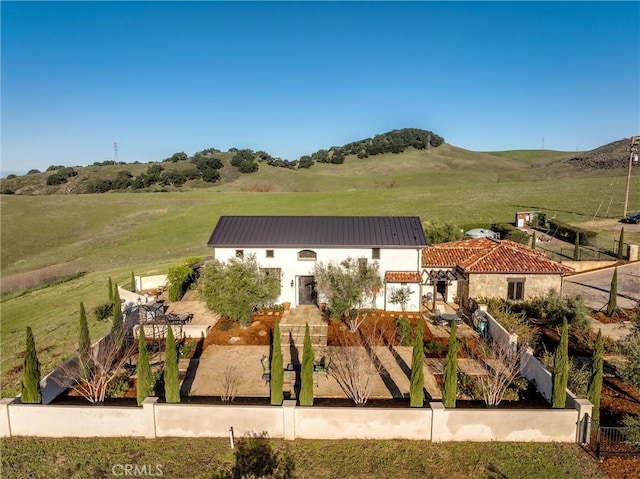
{"x": 495, "y": 285}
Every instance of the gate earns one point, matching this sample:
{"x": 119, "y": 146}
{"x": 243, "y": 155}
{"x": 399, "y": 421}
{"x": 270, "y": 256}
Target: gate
{"x": 612, "y": 441}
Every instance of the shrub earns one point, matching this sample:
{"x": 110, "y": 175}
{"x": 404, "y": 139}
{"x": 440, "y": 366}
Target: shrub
{"x": 509, "y": 232}
{"x": 433, "y": 347}
{"x": 568, "y": 233}
{"x": 178, "y": 277}
{"x": 404, "y": 332}
{"x": 118, "y": 387}
{"x": 103, "y": 311}
{"x": 632, "y": 423}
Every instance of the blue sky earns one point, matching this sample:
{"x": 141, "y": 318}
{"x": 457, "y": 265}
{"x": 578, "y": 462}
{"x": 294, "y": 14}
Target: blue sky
{"x": 291, "y": 78}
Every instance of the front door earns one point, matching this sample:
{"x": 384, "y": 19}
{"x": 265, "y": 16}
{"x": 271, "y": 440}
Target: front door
{"x": 307, "y": 290}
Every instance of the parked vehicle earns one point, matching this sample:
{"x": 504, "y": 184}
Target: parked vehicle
{"x": 634, "y": 218}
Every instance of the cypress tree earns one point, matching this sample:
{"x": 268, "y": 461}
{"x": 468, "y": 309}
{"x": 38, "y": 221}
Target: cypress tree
{"x": 595, "y": 382}
{"x": 170, "y": 373}
{"x": 306, "y": 374}
{"x": 451, "y": 370}
{"x": 30, "y": 372}
{"x": 144, "y": 381}
{"x": 621, "y": 244}
{"x": 110, "y": 289}
{"x": 612, "y": 306}
{"x": 561, "y": 369}
{"x": 277, "y": 369}
{"x": 84, "y": 344}
{"x": 117, "y": 326}
{"x": 576, "y": 248}
{"x": 533, "y": 240}
{"x": 416, "y": 392}
{"x": 133, "y": 282}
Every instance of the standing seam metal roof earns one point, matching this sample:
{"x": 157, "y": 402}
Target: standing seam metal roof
{"x": 318, "y": 231}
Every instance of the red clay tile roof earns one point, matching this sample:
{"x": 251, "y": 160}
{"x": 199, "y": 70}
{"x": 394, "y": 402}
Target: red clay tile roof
{"x": 484, "y": 255}
{"x": 402, "y": 277}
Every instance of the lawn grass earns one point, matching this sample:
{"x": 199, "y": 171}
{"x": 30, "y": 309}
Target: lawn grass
{"x": 199, "y": 458}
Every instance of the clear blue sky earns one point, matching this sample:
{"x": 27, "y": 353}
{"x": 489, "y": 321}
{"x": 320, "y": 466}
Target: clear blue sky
{"x": 290, "y": 78}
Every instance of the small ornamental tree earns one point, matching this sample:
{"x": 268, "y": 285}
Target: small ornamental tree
{"x": 31, "y": 372}
{"x": 170, "y": 373}
{"x": 117, "y": 326}
{"x": 306, "y": 373}
{"x": 561, "y": 369}
{"x": 400, "y": 296}
{"x": 621, "y": 244}
{"x": 595, "y": 381}
{"x": 416, "y": 392}
{"x": 144, "y": 381}
{"x": 612, "y": 306}
{"x": 450, "y": 376}
{"x": 348, "y": 285}
{"x": 84, "y": 344}
{"x": 277, "y": 368}
{"x": 235, "y": 288}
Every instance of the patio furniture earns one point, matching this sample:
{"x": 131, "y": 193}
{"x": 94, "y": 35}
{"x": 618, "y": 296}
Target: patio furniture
{"x": 322, "y": 367}
{"x": 266, "y": 369}
{"x": 438, "y": 317}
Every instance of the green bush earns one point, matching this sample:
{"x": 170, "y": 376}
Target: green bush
{"x": 103, "y": 311}
{"x": 568, "y": 233}
{"x": 509, "y": 232}
{"x": 404, "y": 332}
{"x": 433, "y": 347}
{"x": 118, "y": 387}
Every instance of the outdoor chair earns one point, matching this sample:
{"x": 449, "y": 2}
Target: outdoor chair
{"x": 323, "y": 366}
{"x": 437, "y": 317}
{"x": 266, "y": 369}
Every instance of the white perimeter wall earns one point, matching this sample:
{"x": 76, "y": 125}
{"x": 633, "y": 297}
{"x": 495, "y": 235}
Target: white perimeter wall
{"x": 391, "y": 259}
{"x": 290, "y": 422}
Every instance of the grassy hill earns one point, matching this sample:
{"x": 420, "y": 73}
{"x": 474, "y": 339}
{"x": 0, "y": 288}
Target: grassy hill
{"x": 88, "y": 238}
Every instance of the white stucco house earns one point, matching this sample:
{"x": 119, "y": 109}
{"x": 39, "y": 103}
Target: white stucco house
{"x": 292, "y": 245}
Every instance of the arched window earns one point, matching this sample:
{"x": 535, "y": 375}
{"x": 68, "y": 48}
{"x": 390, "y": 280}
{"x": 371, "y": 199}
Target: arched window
{"x": 307, "y": 255}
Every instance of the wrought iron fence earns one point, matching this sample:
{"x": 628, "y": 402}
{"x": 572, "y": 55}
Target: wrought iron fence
{"x": 612, "y": 441}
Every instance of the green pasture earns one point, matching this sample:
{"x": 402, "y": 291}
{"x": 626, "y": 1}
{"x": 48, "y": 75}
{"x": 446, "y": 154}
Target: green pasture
{"x": 90, "y": 458}
{"x": 113, "y": 234}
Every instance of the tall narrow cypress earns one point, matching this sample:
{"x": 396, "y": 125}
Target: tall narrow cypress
{"x": 171, "y": 373}
{"x": 117, "y": 326}
{"x": 595, "y": 382}
{"x": 450, "y": 376}
{"x": 561, "y": 369}
{"x": 612, "y": 306}
{"x": 533, "y": 240}
{"x": 31, "y": 372}
{"x": 133, "y": 282}
{"x": 110, "y": 289}
{"x": 144, "y": 381}
{"x": 576, "y": 248}
{"x": 306, "y": 374}
{"x": 416, "y": 390}
{"x": 621, "y": 244}
{"x": 276, "y": 369}
{"x": 84, "y": 344}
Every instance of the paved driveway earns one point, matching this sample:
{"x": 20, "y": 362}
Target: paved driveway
{"x": 595, "y": 286}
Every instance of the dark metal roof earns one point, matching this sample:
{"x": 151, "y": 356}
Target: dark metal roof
{"x": 318, "y": 231}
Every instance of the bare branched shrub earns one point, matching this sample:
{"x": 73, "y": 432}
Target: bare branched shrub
{"x": 103, "y": 366}
{"x": 354, "y": 365}
{"x": 502, "y": 368}
{"x": 230, "y": 380}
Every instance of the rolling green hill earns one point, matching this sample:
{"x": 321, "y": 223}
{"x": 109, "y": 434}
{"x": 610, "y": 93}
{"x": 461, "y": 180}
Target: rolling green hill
{"x": 90, "y": 237}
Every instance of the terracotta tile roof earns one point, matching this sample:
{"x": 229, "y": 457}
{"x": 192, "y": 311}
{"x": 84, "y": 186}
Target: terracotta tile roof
{"x": 485, "y": 255}
{"x": 402, "y": 277}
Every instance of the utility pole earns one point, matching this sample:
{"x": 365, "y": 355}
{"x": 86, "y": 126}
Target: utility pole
{"x": 633, "y": 158}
